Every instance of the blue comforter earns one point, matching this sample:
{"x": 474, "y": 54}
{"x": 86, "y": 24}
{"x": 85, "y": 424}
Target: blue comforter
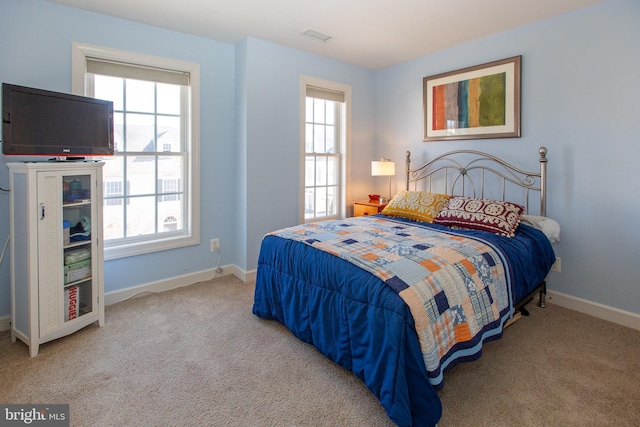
{"x": 356, "y": 320}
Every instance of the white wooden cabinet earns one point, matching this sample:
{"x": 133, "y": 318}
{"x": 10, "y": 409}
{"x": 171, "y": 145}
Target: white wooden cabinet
{"x": 57, "y": 284}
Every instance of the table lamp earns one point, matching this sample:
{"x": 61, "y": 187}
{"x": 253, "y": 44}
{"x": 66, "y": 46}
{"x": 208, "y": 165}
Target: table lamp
{"x": 384, "y": 167}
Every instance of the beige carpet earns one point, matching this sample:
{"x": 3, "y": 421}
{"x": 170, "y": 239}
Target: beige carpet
{"x": 196, "y": 356}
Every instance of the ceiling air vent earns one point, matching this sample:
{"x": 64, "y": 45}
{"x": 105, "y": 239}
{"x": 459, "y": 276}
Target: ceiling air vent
{"x": 318, "y": 36}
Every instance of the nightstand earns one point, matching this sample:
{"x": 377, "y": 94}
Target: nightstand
{"x": 367, "y": 207}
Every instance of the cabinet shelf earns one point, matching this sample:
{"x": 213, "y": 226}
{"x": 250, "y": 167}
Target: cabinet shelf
{"x": 77, "y": 244}
{"x": 78, "y": 282}
{"x": 79, "y": 203}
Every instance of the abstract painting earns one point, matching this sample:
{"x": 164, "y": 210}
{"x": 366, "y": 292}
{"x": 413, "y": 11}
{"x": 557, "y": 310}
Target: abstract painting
{"x": 475, "y": 102}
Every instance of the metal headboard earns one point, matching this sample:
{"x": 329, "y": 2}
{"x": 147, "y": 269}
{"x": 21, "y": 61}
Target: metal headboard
{"x": 455, "y": 173}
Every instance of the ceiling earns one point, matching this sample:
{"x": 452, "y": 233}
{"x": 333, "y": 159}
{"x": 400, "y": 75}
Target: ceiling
{"x": 371, "y": 33}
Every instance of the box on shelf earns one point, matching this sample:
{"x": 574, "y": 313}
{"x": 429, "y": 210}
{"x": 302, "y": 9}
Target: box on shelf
{"x": 66, "y": 232}
{"x": 71, "y": 303}
{"x": 77, "y": 255}
{"x": 77, "y": 271}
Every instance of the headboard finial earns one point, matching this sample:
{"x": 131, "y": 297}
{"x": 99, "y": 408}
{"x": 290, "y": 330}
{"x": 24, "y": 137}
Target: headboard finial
{"x": 543, "y": 153}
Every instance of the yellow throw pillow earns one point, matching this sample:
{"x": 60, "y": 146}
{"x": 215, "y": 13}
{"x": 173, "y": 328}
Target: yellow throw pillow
{"x": 416, "y": 205}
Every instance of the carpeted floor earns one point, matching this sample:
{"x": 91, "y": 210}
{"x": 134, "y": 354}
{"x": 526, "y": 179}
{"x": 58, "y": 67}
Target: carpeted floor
{"x": 197, "y": 356}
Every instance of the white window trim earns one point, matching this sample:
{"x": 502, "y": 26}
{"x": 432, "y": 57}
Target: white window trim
{"x": 79, "y": 53}
{"x": 345, "y": 172}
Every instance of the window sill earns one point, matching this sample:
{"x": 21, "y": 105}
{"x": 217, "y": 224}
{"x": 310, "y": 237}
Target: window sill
{"x": 141, "y": 248}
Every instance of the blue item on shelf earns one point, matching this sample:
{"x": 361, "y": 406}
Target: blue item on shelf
{"x": 82, "y": 230}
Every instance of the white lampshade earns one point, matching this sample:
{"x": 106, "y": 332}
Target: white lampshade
{"x": 383, "y": 167}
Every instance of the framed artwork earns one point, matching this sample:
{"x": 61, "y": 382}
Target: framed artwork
{"x": 474, "y": 102}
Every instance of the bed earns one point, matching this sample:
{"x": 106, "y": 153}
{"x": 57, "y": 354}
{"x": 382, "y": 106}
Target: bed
{"x": 400, "y": 297}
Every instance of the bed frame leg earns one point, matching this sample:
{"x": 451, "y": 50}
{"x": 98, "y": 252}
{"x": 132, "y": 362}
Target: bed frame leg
{"x": 543, "y": 295}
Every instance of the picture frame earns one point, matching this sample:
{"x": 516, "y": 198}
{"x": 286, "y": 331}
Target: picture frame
{"x": 476, "y": 102}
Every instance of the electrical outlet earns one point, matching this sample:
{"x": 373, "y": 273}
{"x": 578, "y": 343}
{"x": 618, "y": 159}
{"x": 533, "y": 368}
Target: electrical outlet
{"x": 557, "y": 266}
{"x": 214, "y": 245}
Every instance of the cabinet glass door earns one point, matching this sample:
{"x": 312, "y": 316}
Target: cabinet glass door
{"x": 65, "y": 247}
{"x": 77, "y": 245}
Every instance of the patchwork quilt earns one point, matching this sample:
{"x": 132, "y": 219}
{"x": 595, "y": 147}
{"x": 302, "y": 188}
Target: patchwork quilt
{"x": 457, "y": 287}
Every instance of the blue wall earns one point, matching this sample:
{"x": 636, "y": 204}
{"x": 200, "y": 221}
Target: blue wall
{"x": 37, "y": 52}
{"x": 249, "y": 126}
{"x": 579, "y": 99}
{"x": 273, "y": 147}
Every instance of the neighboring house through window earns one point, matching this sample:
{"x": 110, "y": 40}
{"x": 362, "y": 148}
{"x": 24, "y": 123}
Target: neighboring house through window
{"x": 150, "y": 181}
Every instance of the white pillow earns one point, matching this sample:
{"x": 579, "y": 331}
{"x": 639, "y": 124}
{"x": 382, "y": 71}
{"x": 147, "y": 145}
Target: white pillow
{"x": 548, "y": 226}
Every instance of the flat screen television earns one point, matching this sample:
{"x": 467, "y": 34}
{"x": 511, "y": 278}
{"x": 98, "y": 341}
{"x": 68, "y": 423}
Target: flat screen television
{"x": 38, "y": 122}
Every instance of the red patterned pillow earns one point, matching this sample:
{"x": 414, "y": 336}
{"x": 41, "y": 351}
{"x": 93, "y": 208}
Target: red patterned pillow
{"x": 480, "y": 214}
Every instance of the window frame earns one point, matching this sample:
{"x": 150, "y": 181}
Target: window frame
{"x": 336, "y": 155}
{"x": 345, "y": 144}
{"x": 80, "y": 53}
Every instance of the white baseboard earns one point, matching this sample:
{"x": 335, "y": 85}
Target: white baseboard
{"x": 162, "y": 285}
{"x": 245, "y": 276}
{"x": 601, "y": 311}
{"x": 5, "y": 323}
{"x": 173, "y": 283}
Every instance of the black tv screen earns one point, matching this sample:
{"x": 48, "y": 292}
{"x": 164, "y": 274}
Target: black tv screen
{"x": 41, "y": 122}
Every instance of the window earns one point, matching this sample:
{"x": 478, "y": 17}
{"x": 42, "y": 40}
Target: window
{"x": 170, "y": 223}
{"x": 113, "y": 193}
{"x": 150, "y": 180}
{"x": 171, "y": 186}
{"x": 324, "y": 147}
